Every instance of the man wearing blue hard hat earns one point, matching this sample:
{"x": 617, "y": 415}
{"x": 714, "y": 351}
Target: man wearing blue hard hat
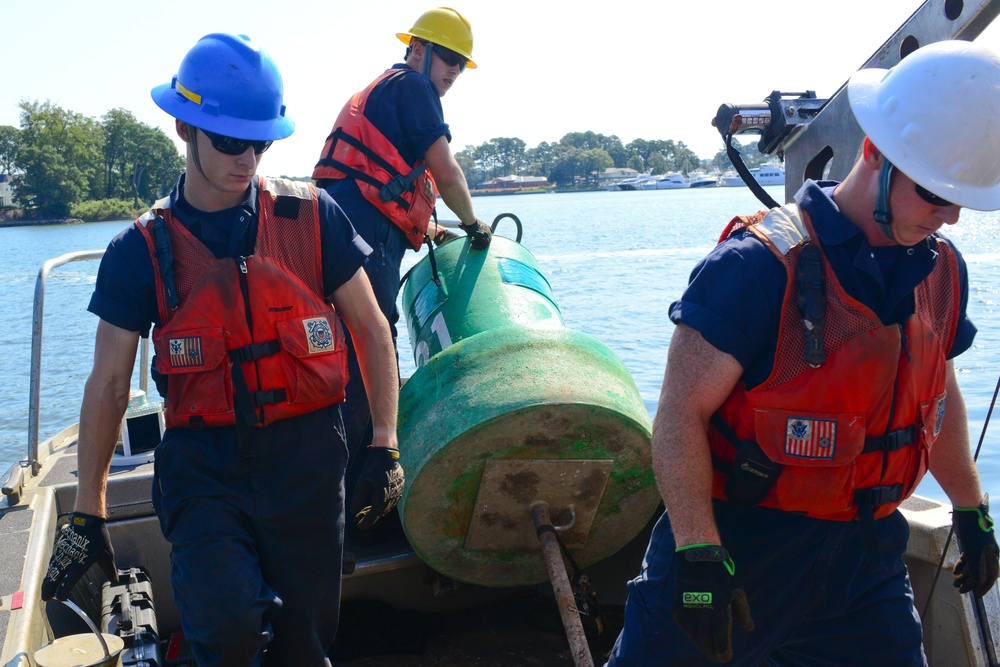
{"x": 245, "y": 281}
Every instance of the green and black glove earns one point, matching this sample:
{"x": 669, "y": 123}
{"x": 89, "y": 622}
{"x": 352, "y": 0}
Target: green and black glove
{"x": 83, "y": 542}
{"x": 707, "y": 596}
{"x": 480, "y": 234}
{"x": 379, "y": 486}
{"x": 979, "y": 564}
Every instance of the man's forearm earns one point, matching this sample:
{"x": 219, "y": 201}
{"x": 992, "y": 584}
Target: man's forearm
{"x": 951, "y": 460}
{"x": 457, "y": 198}
{"x": 100, "y": 420}
{"x": 377, "y": 360}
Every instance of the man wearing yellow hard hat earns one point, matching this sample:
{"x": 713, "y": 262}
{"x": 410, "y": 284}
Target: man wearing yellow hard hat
{"x": 385, "y": 161}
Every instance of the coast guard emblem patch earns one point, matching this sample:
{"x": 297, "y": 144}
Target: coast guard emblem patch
{"x": 319, "y": 334}
{"x": 810, "y": 438}
{"x": 940, "y": 416}
{"x": 186, "y": 352}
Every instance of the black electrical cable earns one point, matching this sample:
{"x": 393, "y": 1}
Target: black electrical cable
{"x": 982, "y": 620}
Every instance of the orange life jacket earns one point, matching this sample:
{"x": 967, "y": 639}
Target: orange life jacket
{"x": 251, "y": 335}
{"x": 863, "y": 421}
{"x": 357, "y": 149}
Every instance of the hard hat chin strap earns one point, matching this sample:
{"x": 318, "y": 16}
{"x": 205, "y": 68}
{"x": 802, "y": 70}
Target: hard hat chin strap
{"x": 883, "y": 211}
{"x": 428, "y": 57}
{"x": 193, "y": 144}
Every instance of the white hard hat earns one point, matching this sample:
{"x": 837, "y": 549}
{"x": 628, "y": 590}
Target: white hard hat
{"x": 936, "y": 117}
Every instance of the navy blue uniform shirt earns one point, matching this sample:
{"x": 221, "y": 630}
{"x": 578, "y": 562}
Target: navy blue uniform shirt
{"x": 125, "y": 293}
{"x": 734, "y": 295}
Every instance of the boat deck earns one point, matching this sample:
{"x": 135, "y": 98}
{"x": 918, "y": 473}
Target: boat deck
{"x": 396, "y": 610}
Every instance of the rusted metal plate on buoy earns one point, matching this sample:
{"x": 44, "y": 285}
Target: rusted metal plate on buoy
{"x": 572, "y": 488}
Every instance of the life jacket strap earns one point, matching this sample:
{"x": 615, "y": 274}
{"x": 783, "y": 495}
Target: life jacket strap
{"x": 867, "y": 500}
{"x": 890, "y": 441}
{"x": 811, "y": 283}
{"x": 255, "y": 351}
{"x": 393, "y": 190}
{"x": 390, "y": 191}
{"x": 165, "y": 261}
{"x": 247, "y": 403}
{"x": 269, "y": 397}
{"x": 243, "y": 402}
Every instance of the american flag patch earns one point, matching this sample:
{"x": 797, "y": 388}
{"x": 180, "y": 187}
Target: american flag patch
{"x": 810, "y": 438}
{"x": 186, "y": 352}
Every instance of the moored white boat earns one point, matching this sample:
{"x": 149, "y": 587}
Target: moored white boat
{"x": 766, "y": 175}
{"x": 637, "y": 183}
{"x": 704, "y": 180}
{"x": 672, "y": 181}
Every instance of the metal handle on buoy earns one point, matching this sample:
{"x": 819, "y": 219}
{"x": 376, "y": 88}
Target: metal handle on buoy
{"x": 569, "y": 524}
{"x": 90, "y": 624}
{"x": 456, "y": 224}
{"x": 517, "y": 222}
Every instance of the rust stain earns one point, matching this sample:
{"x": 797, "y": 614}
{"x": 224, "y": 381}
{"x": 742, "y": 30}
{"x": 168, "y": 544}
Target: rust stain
{"x": 498, "y": 520}
{"x": 521, "y": 486}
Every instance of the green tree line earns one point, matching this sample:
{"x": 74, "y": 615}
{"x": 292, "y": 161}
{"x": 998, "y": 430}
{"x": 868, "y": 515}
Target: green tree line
{"x": 63, "y": 160}
{"x": 579, "y": 156}
{"x": 67, "y": 163}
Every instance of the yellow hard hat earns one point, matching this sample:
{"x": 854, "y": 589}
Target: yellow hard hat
{"x": 443, "y": 26}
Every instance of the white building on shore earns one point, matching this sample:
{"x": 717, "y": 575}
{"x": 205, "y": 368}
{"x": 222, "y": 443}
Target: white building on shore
{"x": 6, "y": 191}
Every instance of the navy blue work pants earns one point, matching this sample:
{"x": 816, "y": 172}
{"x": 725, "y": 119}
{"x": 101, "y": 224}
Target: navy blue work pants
{"x": 382, "y": 268}
{"x": 256, "y": 527}
{"x": 814, "y": 597}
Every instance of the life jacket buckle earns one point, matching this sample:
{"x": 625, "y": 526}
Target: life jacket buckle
{"x": 879, "y": 495}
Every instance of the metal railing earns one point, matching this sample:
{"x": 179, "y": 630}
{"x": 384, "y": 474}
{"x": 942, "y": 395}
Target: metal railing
{"x": 34, "y": 390}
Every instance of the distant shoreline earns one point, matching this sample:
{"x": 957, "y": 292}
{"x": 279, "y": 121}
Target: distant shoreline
{"x": 37, "y": 223}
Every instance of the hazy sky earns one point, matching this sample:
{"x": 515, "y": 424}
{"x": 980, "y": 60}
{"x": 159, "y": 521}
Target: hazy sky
{"x": 637, "y": 69}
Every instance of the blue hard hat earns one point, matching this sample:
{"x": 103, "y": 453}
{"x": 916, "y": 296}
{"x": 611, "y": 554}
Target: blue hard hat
{"x": 229, "y": 86}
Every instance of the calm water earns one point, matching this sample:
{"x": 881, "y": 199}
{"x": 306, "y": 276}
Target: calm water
{"x": 616, "y": 260}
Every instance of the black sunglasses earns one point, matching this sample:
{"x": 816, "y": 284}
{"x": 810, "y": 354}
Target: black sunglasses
{"x": 230, "y": 146}
{"x": 930, "y": 197}
{"x": 450, "y": 58}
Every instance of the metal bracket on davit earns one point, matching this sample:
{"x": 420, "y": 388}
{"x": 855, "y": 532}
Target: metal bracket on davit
{"x": 820, "y": 138}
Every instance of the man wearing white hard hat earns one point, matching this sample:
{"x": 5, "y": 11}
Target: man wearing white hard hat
{"x": 810, "y": 386}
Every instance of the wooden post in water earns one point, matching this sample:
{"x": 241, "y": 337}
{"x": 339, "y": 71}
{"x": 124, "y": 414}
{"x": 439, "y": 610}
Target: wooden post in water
{"x": 561, "y": 586}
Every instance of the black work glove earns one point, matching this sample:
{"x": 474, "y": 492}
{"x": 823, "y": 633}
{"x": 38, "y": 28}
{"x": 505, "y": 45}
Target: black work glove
{"x": 480, "y": 234}
{"x": 978, "y": 566}
{"x": 707, "y": 596}
{"x": 379, "y": 486}
{"x": 83, "y": 542}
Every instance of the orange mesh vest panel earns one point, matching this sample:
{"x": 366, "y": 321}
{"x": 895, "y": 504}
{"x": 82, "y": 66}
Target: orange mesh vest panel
{"x": 868, "y": 416}
{"x": 254, "y": 335}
